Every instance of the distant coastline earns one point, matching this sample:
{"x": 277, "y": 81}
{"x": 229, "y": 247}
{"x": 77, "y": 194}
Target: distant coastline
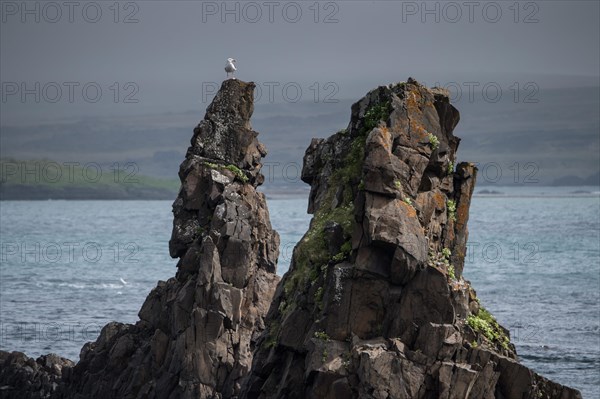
{"x": 49, "y": 180}
{"x": 21, "y": 192}
{"x": 43, "y": 180}
{"x": 15, "y": 192}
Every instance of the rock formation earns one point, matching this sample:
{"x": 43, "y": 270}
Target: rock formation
{"x": 374, "y": 304}
{"x": 24, "y": 377}
{"x": 194, "y": 334}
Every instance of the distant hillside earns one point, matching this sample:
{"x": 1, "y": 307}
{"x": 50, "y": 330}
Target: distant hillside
{"x": 593, "y": 180}
{"x": 552, "y": 140}
{"x": 45, "y": 179}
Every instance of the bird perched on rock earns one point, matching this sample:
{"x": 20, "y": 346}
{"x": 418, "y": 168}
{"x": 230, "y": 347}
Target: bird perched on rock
{"x": 230, "y": 67}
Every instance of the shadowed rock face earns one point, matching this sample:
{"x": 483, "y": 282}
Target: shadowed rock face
{"x": 374, "y": 304}
{"x": 24, "y": 377}
{"x": 195, "y": 330}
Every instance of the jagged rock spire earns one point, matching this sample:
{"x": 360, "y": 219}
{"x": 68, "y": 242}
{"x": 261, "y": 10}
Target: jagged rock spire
{"x": 193, "y": 339}
{"x": 374, "y": 304}
{"x": 194, "y": 336}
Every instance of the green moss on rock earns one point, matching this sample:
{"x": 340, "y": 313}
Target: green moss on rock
{"x": 312, "y": 253}
{"x": 485, "y": 324}
{"x": 238, "y": 173}
{"x": 376, "y": 113}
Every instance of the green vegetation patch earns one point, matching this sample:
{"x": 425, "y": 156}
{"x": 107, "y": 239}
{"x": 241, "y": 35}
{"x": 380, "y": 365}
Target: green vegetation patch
{"x": 451, "y": 207}
{"x": 484, "y": 323}
{"x": 446, "y": 253}
{"x": 433, "y": 141}
{"x": 319, "y": 297}
{"x": 378, "y": 112}
{"x": 344, "y": 253}
{"x": 312, "y": 252}
{"x": 238, "y": 173}
{"x": 451, "y": 272}
{"x": 58, "y": 177}
{"x": 325, "y": 355}
{"x": 440, "y": 259}
{"x": 322, "y": 335}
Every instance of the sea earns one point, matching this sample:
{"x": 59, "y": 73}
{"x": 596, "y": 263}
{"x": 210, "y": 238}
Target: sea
{"x": 533, "y": 256}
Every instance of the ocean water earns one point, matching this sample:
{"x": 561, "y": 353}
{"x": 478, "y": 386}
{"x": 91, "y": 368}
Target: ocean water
{"x": 69, "y": 267}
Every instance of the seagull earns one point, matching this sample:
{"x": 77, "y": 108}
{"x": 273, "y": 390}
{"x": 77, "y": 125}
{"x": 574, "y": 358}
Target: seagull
{"x": 230, "y": 67}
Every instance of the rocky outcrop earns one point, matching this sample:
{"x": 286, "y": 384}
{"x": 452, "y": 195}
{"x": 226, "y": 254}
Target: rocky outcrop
{"x": 22, "y": 377}
{"x": 374, "y": 304}
{"x": 193, "y": 339}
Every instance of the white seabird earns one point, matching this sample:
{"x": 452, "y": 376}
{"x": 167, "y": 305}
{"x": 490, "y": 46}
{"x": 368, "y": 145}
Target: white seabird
{"x": 230, "y": 67}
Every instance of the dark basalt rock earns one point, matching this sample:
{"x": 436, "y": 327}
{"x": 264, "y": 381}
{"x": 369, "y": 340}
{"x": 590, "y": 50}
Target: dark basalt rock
{"x": 374, "y": 304}
{"x": 389, "y": 315}
{"x": 22, "y": 377}
{"x": 194, "y": 336}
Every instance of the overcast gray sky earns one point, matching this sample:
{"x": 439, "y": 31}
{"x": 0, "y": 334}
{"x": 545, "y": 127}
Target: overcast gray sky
{"x": 173, "y": 51}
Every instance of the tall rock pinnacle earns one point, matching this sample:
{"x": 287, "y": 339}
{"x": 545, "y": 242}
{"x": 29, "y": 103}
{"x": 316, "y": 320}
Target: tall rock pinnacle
{"x": 374, "y": 304}
{"x": 194, "y": 336}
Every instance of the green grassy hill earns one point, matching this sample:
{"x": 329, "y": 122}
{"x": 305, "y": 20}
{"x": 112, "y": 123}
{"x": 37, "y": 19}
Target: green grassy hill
{"x": 46, "y": 179}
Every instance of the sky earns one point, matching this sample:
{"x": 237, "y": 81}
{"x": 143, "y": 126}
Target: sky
{"x": 94, "y": 59}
